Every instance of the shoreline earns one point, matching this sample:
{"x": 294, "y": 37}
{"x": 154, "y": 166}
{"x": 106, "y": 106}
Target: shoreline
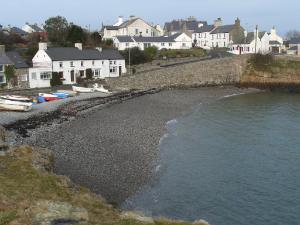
{"x": 115, "y": 153}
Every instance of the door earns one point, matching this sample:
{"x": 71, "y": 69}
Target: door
{"x": 120, "y": 70}
{"x": 72, "y": 76}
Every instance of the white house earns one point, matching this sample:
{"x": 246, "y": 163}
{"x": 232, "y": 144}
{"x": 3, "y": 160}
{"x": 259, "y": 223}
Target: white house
{"x": 134, "y": 26}
{"x": 294, "y": 47}
{"x": 71, "y": 63}
{"x": 275, "y": 41}
{"x": 176, "y": 41}
{"x": 218, "y": 35}
{"x": 254, "y": 42}
{"x": 32, "y": 28}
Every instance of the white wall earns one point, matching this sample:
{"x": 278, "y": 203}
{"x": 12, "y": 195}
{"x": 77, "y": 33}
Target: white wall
{"x": 35, "y": 80}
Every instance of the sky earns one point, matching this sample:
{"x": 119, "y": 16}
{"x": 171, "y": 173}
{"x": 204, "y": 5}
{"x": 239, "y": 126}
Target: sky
{"x": 284, "y": 15}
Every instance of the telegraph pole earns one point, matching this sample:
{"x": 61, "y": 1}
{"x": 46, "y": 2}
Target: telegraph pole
{"x": 256, "y": 34}
{"x": 129, "y": 58}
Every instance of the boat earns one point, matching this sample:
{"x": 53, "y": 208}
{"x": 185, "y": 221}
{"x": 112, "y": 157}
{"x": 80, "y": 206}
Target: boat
{"x": 61, "y": 95}
{"x": 83, "y": 89}
{"x": 101, "y": 89}
{"x": 16, "y": 98}
{"x": 69, "y": 92}
{"x": 9, "y": 105}
{"x": 48, "y": 97}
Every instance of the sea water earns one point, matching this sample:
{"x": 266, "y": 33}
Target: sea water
{"x": 232, "y": 162}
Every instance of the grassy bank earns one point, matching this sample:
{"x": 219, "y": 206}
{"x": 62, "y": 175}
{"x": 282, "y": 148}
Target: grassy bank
{"x": 266, "y": 71}
{"x": 31, "y": 194}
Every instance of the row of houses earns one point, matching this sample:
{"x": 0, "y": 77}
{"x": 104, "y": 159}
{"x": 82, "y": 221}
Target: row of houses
{"x": 70, "y": 64}
{"x": 23, "y": 32}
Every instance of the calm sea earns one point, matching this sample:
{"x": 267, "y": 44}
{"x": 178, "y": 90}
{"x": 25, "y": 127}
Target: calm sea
{"x": 233, "y": 162}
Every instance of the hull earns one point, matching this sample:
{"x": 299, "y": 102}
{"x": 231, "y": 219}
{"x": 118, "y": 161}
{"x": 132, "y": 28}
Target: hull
{"x": 49, "y": 97}
{"x": 16, "y": 98}
{"x": 103, "y": 90}
{"x": 69, "y": 92}
{"x": 61, "y": 95}
{"x": 82, "y": 89}
{"x": 8, "y": 105}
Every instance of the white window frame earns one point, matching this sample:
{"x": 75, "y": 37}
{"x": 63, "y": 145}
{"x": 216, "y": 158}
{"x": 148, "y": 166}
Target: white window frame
{"x": 33, "y": 76}
{"x": 45, "y": 75}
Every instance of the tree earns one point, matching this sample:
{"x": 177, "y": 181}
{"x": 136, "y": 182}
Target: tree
{"x": 151, "y": 52}
{"x": 96, "y": 38}
{"x": 136, "y": 56}
{"x": 57, "y": 29}
{"x": 55, "y": 80}
{"x": 89, "y": 74}
{"x": 293, "y": 34}
{"x": 10, "y": 73}
{"x": 76, "y": 34}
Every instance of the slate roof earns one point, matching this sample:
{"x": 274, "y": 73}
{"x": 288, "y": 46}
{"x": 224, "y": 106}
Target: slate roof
{"x": 205, "y": 28}
{"x": 63, "y": 54}
{"x": 18, "y": 31}
{"x": 177, "y": 25}
{"x": 4, "y": 60}
{"x": 294, "y": 41}
{"x": 294, "y": 48}
{"x": 123, "y": 25}
{"x": 36, "y": 28}
{"x": 148, "y": 39}
{"x": 17, "y": 60}
{"x": 274, "y": 43}
{"x": 223, "y": 29}
{"x": 250, "y": 37}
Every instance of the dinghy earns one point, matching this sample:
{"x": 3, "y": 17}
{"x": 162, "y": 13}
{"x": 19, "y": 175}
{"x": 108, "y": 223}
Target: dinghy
{"x": 8, "y": 105}
{"x": 69, "y": 92}
{"x": 82, "y": 89}
{"x": 16, "y": 98}
{"x": 61, "y": 95}
{"x": 48, "y": 97}
{"x": 101, "y": 89}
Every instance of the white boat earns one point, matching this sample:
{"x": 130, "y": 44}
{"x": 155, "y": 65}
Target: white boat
{"x": 82, "y": 89}
{"x": 8, "y": 105}
{"x": 69, "y": 92}
{"x": 16, "y": 98}
{"x": 101, "y": 89}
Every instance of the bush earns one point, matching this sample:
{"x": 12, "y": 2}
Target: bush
{"x": 136, "y": 56}
{"x": 261, "y": 62}
{"x": 151, "y": 52}
{"x": 172, "y": 53}
{"x": 55, "y": 80}
{"x": 89, "y": 74}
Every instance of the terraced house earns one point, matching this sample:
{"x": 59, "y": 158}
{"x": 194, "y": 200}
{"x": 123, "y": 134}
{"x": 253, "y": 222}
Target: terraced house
{"x": 72, "y": 63}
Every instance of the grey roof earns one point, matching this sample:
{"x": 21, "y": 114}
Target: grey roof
{"x": 17, "y": 60}
{"x": 63, "y": 54}
{"x": 223, "y": 29}
{"x": 36, "y": 28}
{"x": 177, "y": 25}
{"x": 274, "y": 43}
{"x": 128, "y": 22}
{"x": 18, "y": 31}
{"x": 125, "y": 39}
{"x": 111, "y": 27}
{"x": 4, "y": 60}
{"x": 205, "y": 28}
{"x": 251, "y": 37}
{"x": 148, "y": 39}
{"x": 294, "y": 48}
{"x": 294, "y": 41}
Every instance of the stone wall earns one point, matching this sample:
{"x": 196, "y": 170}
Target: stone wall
{"x": 223, "y": 71}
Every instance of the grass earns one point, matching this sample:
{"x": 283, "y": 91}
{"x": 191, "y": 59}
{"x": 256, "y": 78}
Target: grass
{"x": 22, "y": 185}
{"x": 195, "y": 52}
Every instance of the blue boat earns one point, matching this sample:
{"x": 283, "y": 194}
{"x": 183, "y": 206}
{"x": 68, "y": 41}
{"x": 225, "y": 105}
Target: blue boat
{"x": 61, "y": 95}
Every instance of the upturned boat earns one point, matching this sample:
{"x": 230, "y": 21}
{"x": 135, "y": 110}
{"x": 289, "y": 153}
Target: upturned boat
{"x": 16, "y": 98}
{"x": 101, "y": 89}
{"x": 8, "y": 105}
{"x": 69, "y": 92}
{"x": 48, "y": 97}
{"x": 83, "y": 89}
{"x": 61, "y": 95}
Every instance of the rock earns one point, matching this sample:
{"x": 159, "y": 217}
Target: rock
{"x": 137, "y": 216}
{"x": 57, "y": 213}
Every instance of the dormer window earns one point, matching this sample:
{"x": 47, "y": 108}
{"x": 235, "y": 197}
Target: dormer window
{"x": 93, "y": 63}
{"x": 72, "y": 64}
{"x": 61, "y": 64}
{"x": 82, "y": 63}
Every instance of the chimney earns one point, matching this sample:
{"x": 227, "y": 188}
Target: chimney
{"x": 273, "y": 31}
{"x": 2, "y": 49}
{"x": 99, "y": 49}
{"x": 218, "y": 22}
{"x": 132, "y": 17}
{"x": 245, "y": 33}
{"x": 238, "y": 22}
{"x": 120, "y": 20}
{"x": 43, "y": 46}
{"x": 78, "y": 45}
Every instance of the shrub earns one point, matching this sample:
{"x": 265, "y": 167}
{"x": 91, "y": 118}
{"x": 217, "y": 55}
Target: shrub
{"x": 151, "y": 52}
{"x": 136, "y": 56}
{"x": 89, "y": 74}
{"x": 55, "y": 80}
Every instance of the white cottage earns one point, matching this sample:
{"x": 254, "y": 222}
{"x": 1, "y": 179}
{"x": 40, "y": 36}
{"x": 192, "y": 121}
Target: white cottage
{"x": 134, "y": 26}
{"x": 71, "y": 63}
{"x": 176, "y": 41}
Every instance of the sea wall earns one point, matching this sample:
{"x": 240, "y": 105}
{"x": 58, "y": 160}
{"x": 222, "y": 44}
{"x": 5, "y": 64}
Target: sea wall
{"x": 224, "y": 71}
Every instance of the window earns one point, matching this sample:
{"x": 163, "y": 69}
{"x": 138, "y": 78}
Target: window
{"x": 162, "y": 44}
{"x": 183, "y": 44}
{"x": 127, "y": 44}
{"x": 1, "y": 79}
{"x": 113, "y": 69}
{"x": 1, "y": 68}
{"x": 33, "y": 76}
{"x": 110, "y": 62}
{"x": 115, "y": 62}
{"x": 82, "y": 63}
{"x": 72, "y": 64}
{"x": 45, "y": 75}
{"x": 102, "y": 62}
{"x": 97, "y": 72}
{"x": 224, "y": 44}
{"x": 224, "y": 36}
{"x": 60, "y": 64}
{"x": 136, "y": 31}
{"x": 93, "y": 63}
{"x": 147, "y": 31}
{"x": 23, "y": 78}
{"x": 170, "y": 44}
